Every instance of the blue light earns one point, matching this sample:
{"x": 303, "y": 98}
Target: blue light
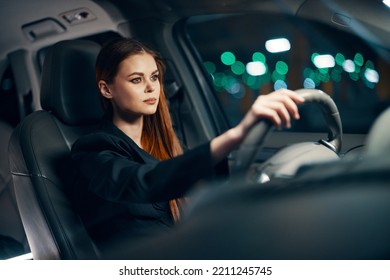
{"x": 280, "y": 84}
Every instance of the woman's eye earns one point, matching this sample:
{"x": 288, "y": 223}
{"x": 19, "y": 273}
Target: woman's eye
{"x": 154, "y": 77}
{"x": 135, "y": 80}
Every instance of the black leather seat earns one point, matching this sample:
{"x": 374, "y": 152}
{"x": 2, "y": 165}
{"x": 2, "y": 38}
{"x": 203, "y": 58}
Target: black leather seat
{"x": 378, "y": 140}
{"x": 40, "y": 146}
{"x": 12, "y": 237}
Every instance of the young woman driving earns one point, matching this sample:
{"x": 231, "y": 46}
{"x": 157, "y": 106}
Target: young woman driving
{"x": 132, "y": 172}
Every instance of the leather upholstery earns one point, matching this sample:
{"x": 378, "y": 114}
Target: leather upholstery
{"x": 378, "y": 138}
{"x": 68, "y": 87}
{"x": 10, "y": 223}
{"x": 40, "y": 146}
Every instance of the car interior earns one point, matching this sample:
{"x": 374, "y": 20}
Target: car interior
{"x": 40, "y": 169}
{"x": 316, "y": 191}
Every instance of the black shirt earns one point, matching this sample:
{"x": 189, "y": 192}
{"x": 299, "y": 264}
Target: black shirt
{"x": 119, "y": 189}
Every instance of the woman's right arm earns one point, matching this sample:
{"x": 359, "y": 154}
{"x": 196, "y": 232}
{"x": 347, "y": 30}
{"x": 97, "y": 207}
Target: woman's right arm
{"x": 115, "y": 171}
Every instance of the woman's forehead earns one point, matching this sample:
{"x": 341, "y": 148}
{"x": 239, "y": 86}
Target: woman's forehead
{"x": 143, "y": 63}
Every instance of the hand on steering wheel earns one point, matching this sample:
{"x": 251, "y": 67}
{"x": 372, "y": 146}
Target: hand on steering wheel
{"x": 277, "y": 107}
{"x": 254, "y": 139}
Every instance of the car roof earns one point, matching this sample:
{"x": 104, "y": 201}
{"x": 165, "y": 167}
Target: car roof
{"x": 33, "y": 25}
{"x": 359, "y": 16}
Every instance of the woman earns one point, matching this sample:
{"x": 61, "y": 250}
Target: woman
{"x": 132, "y": 173}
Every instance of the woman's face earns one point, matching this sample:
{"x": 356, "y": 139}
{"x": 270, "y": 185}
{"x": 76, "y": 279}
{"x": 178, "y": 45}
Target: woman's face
{"x": 136, "y": 88}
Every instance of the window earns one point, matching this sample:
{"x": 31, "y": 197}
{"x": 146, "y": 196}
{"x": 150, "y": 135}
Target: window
{"x": 9, "y": 110}
{"x": 247, "y": 55}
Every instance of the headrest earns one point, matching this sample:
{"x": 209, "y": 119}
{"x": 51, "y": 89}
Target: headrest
{"x": 68, "y": 86}
{"x": 378, "y": 139}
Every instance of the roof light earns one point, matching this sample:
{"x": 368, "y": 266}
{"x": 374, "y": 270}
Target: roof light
{"x": 386, "y": 2}
{"x": 278, "y": 45}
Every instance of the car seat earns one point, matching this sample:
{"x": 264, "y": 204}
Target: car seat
{"x": 378, "y": 140}
{"x": 40, "y": 146}
{"x": 12, "y": 237}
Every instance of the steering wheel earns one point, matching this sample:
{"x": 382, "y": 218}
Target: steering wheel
{"x": 246, "y": 154}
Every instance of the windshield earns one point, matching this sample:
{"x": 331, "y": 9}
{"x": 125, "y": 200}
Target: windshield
{"x": 248, "y": 55}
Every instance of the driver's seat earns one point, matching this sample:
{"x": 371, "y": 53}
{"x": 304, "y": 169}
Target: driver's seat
{"x": 40, "y": 146}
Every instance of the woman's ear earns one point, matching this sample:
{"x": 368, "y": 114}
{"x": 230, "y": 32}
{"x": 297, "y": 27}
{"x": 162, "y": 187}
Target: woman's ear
{"x": 104, "y": 89}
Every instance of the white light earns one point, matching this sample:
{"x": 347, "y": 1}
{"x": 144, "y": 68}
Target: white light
{"x": 372, "y": 76}
{"x": 349, "y": 66}
{"x": 256, "y": 68}
{"x": 278, "y": 45}
{"x": 386, "y": 2}
{"x": 324, "y": 61}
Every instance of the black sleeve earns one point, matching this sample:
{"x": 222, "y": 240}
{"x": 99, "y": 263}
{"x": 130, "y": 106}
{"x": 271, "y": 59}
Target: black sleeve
{"x": 115, "y": 171}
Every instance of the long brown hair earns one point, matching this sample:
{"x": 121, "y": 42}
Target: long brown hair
{"x": 158, "y": 136}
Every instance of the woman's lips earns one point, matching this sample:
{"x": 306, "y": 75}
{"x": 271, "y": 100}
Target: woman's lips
{"x": 150, "y": 101}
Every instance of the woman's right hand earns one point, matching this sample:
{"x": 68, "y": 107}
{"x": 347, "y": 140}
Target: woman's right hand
{"x": 278, "y": 107}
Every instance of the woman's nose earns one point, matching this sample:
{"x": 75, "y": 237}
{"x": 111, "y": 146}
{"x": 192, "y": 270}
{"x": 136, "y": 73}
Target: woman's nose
{"x": 149, "y": 87}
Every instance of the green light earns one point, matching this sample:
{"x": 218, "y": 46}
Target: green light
{"x": 312, "y": 75}
{"x": 340, "y": 59}
{"x": 258, "y": 56}
{"x": 266, "y": 78}
{"x": 313, "y": 56}
{"x": 249, "y": 80}
{"x": 307, "y": 72}
{"x": 219, "y": 80}
{"x": 358, "y": 69}
{"x": 335, "y": 75}
{"x": 358, "y": 59}
{"x": 369, "y": 84}
{"x": 232, "y": 85}
{"x": 323, "y": 71}
{"x": 277, "y": 76}
{"x": 324, "y": 77}
{"x": 281, "y": 67}
{"x": 254, "y": 82}
{"x": 238, "y": 68}
{"x": 210, "y": 67}
{"x": 354, "y": 76}
{"x": 228, "y": 58}
{"x": 370, "y": 64}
